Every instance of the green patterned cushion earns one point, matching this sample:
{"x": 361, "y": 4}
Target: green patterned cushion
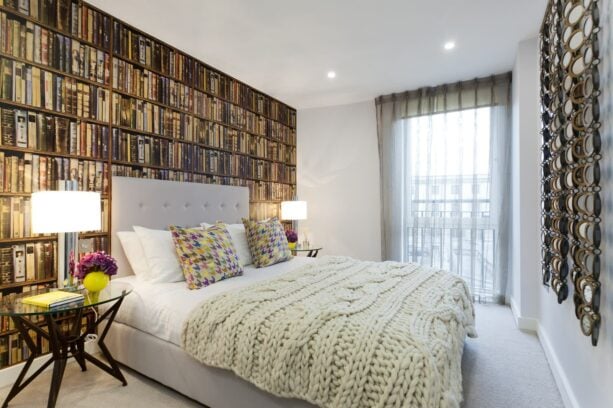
{"x": 207, "y": 255}
{"x": 267, "y": 242}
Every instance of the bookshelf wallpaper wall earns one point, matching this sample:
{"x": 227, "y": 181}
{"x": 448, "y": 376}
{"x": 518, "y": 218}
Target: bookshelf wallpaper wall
{"x": 84, "y": 96}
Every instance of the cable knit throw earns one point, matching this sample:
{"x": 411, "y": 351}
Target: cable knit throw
{"x": 342, "y": 333}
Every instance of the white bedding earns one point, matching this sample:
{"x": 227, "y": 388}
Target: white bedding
{"x": 161, "y": 309}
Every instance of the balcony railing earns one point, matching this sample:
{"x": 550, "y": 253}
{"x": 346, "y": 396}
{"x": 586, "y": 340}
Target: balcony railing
{"x": 463, "y": 243}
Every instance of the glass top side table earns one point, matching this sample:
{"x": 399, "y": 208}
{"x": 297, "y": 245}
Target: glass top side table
{"x": 310, "y": 252}
{"x": 63, "y": 344}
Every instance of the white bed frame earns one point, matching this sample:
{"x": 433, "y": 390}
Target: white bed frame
{"x": 157, "y": 204}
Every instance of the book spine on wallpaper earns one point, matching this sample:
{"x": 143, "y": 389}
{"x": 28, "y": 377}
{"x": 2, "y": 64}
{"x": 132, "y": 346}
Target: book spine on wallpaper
{"x": 141, "y": 49}
{"x": 151, "y": 118}
{"x": 25, "y": 84}
{"x": 135, "y": 47}
{"x": 67, "y": 16}
{"x": 43, "y": 46}
{"x": 151, "y": 173}
{"x": 19, "y": 263}
{"x": 147, "y": 84}
{"x": 33, "y": 172}
{"x": 133, "y": 148}
{"x": 29, "y": 262}
{"x": 35, "y": 261}
{"x": 55, "y": 134}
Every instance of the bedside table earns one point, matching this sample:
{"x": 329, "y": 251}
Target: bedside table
{"x": 63, "y": 345}
{"x": 310, "y": 252}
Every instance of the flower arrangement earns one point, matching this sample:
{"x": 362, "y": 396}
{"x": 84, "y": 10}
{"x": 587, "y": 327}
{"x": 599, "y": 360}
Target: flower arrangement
{"x": 96, "y": 262}
{"x": 291, "y": 236}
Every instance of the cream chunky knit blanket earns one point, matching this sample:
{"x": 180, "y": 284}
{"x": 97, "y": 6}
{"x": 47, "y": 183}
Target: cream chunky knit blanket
{"x": 342, "y": 333}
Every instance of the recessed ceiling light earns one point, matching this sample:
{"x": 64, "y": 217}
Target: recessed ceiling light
{"x": 331, "y": 74}
{"x": 449, "y": 45}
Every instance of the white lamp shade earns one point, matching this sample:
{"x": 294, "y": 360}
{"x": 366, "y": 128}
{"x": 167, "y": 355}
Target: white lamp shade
{"x": 65, "y": 211}
{"x": 293, "y": 210}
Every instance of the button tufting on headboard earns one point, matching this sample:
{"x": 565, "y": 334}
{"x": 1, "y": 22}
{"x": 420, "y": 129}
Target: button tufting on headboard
{"x": 159, "y": 203}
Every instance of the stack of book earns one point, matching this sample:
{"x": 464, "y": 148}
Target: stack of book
{"x": 55, "y": 299}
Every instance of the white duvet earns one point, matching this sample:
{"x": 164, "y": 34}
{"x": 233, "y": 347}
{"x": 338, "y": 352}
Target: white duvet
{"x": 161, "y": 309}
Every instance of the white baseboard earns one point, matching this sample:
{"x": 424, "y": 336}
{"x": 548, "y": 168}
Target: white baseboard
{"x": 529, "y": 324}
{"x": 523, "y": 323}
{"x": 9, "y": 375}
{"x": 566, "y": 392}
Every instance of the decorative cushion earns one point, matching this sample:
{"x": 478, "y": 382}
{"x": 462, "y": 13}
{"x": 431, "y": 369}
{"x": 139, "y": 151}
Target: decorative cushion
{"x": 134, "y": 252}
{"x": 161, "y": 256}
{"x": 267, "y": 242}
{"x": 206, "y": 255}
{"x": 239, "y": 239}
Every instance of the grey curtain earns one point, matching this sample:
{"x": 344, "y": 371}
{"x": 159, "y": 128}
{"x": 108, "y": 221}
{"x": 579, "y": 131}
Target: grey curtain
{"x": 445, "y": 179}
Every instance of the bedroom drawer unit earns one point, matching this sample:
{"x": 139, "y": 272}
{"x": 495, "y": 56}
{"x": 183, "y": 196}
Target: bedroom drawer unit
{"x": 61, "y": 332}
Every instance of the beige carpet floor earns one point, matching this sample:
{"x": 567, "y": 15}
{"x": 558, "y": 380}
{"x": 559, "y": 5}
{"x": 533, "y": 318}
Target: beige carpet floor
{"x": 503, "y": 368}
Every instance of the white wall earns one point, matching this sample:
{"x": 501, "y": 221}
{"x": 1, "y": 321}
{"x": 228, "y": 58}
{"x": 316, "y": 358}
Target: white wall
{"x": 525, "y": 185}
{"x": 338, "y": 176}
{"x": 584, "y": 373}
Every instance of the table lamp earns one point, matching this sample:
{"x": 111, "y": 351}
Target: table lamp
{"x": 66, "y": 213}
{"x": 294, "y": 211}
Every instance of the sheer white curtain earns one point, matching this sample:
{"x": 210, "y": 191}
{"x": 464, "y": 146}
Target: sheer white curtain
{"x": 445, "y": 157}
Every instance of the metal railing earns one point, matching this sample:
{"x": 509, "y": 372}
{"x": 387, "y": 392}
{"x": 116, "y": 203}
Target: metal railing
{"x": 468, "y": 250}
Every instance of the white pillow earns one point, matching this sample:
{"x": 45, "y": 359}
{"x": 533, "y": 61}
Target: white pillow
{"x": 239, "y": 239}
{"x": 162, "y": 259}
{"x": 135, "y": 254}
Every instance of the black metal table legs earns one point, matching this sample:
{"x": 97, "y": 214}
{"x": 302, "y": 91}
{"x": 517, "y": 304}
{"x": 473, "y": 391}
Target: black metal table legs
{"x": 62, "y": 347}
{"x": 313, "y": 253}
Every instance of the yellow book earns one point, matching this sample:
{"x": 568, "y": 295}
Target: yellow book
{"x": 51, "y": 299}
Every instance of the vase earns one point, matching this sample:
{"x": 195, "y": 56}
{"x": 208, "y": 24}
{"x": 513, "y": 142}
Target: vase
{"x": 94, "y": 282}
{"x": 291, "y": 245}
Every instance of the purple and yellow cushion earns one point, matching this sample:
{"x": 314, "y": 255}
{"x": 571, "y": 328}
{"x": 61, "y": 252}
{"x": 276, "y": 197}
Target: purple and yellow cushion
{"x": 267, "y": 242}
{"x": 206, "y": 255}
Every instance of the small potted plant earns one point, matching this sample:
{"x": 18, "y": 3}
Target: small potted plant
{"x": 95, "y": 270}
{"x": 292, "y": 238}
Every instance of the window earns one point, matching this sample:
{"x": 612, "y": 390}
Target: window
{"x": 453, "y": 139}
{"x": 448, "y": 154}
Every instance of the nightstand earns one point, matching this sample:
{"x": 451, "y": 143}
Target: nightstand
{"x": 310, "y": 252}
{"x": 63, "y": 344}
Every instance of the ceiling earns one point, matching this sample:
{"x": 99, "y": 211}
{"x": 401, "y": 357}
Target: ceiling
{"x": 286, "y": 47}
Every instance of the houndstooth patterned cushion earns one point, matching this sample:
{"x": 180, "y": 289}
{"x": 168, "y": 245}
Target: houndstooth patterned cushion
{"x": 207, "y": 255}
{"x": 267, "y": 242}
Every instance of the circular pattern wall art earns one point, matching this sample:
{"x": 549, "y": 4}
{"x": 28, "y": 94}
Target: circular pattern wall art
{"x": 570, "y": 187}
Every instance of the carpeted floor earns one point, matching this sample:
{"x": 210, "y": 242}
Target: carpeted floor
{"x": 504, "y": 367}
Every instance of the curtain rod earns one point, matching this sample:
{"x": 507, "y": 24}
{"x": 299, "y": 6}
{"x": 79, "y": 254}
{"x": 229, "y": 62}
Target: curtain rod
{"x": 493, "y": 79}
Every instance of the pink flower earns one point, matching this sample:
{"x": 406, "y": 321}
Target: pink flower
{"x": 96, "y": 262}
{"x": 291, "y": 236}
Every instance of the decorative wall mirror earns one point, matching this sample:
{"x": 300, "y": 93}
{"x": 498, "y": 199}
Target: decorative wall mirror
{"x": 570, "y": 193}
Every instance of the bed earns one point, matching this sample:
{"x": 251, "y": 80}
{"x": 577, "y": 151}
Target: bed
{"x": 147, "y": 334}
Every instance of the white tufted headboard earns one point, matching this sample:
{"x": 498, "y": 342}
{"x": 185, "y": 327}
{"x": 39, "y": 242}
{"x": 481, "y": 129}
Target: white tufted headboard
{"x": 159, "y": 203}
